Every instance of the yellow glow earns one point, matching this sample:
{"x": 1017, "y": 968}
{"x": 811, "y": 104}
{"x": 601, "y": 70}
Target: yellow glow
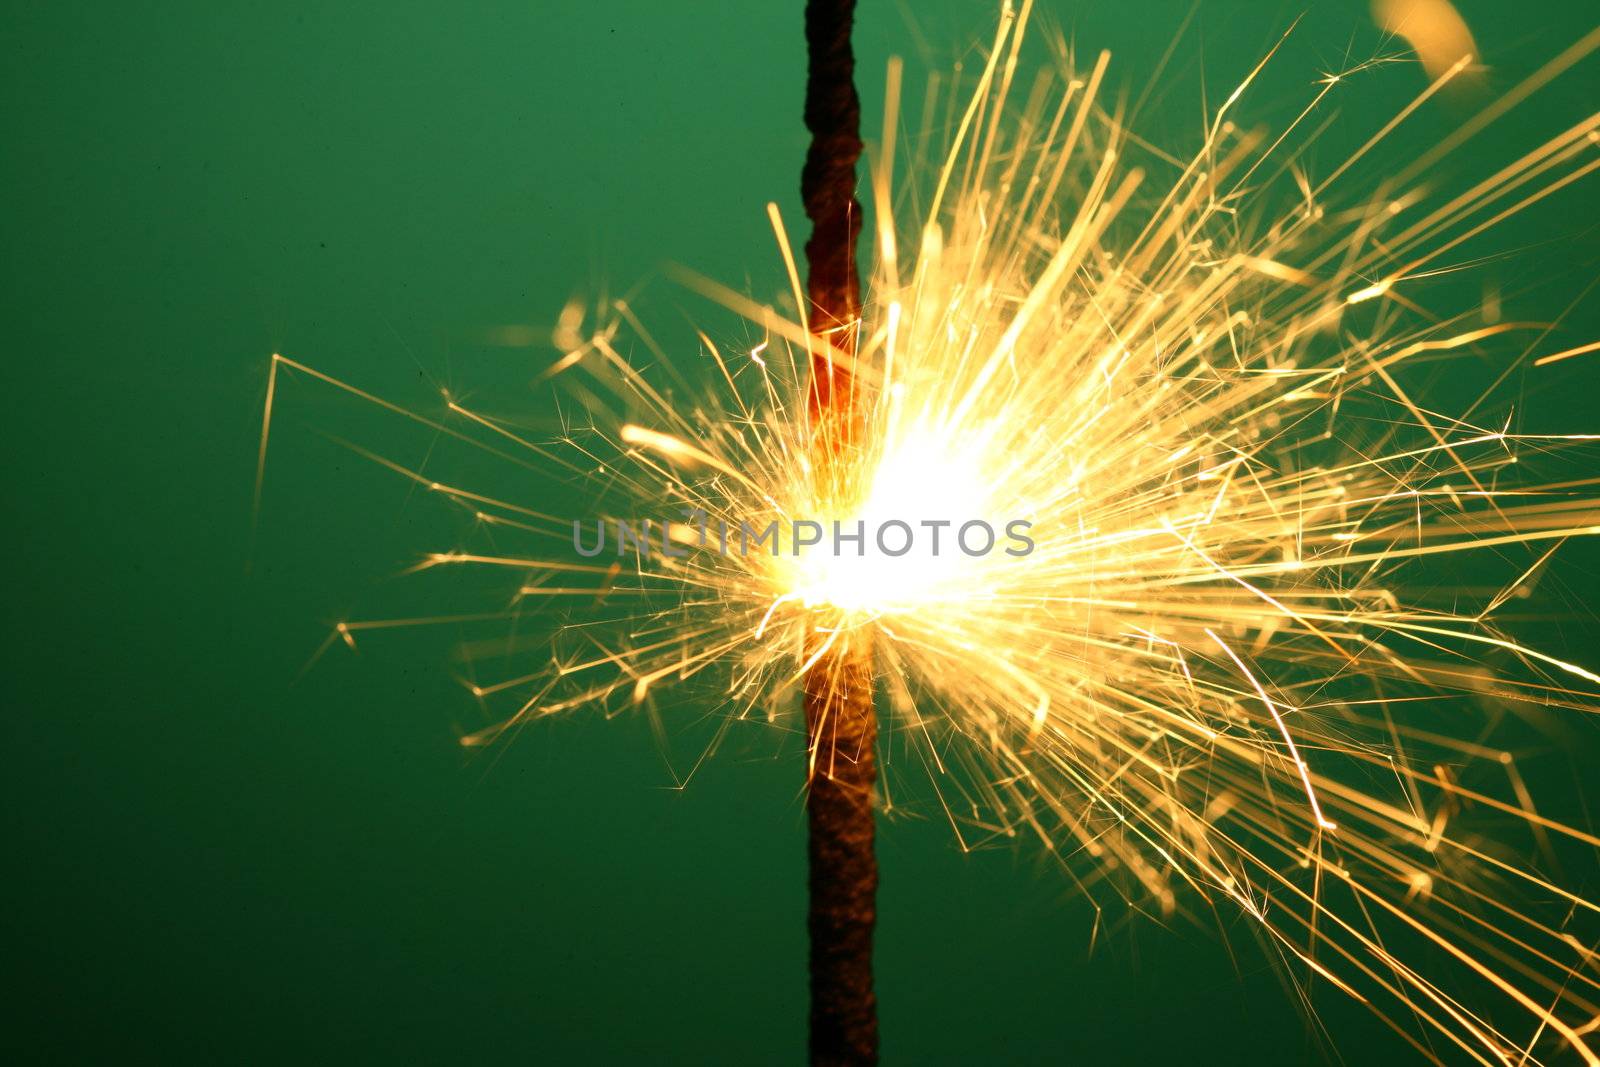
{"x": 921, "y": 477}
{"x": 1433, "y": 27}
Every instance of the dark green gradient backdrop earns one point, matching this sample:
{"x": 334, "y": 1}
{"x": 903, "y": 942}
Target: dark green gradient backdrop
{"x": 212, "y": 861}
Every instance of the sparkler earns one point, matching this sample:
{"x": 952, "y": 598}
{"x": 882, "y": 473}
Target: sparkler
{"x": 1234, "y": 668}
{"x": 841, "y": 723}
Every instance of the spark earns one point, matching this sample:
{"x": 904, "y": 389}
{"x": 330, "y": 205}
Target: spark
{"x": 1238, "y": 663}
{"x": 1557, "y": 357}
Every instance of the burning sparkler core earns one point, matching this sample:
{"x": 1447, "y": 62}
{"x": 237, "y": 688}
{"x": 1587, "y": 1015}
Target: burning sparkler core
{"x": 933, "y": 527}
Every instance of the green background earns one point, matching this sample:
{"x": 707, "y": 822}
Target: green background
{"x": 215, "y": 858}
